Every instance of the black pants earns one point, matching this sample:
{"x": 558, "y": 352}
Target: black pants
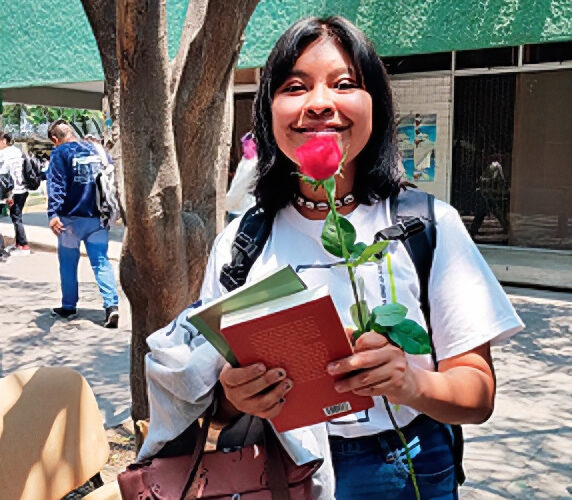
{"x": 487, "y": 205}
{"x": 16, "y": 216}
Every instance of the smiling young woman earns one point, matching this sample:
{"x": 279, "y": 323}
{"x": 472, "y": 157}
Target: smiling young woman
{"x": 324, "y": 77}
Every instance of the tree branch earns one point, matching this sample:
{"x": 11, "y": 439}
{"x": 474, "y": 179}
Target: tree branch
{"x": 200, "y": 104}
{"x": 102, "y": 19}
{"x": 153, "y": 193}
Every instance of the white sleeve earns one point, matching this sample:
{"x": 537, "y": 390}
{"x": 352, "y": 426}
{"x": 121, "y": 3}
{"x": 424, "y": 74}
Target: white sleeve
{"x": 468, "y": 305}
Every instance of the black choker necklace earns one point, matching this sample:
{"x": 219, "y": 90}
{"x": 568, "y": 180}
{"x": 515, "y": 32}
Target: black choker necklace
{"x": 322, "y": 206}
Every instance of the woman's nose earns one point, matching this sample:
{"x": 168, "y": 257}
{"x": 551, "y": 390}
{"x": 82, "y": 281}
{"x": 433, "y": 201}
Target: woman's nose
{"x": 319, "y": 101}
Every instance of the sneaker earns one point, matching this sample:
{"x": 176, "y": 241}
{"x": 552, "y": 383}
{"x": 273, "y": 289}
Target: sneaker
{"x": 111, "y": 317}
{"x": 60, "y": 312}
{"x": 10, "y": 248}
{"x": 20, "y": 250}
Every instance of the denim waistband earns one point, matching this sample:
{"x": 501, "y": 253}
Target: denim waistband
{"x": 422, "y": 426}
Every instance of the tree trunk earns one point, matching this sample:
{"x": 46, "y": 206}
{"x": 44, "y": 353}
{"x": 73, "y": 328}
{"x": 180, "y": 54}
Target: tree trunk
{"x": 176, "y": 124}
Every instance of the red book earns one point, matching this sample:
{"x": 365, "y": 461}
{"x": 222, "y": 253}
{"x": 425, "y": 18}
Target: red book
{"x": 301, "y": 333}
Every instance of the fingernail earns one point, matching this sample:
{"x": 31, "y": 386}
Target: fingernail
{"x": 288, "y": 386}
{"x": 282, "y": 400}
{"x": 281, "y": 374}
{"x": 332, "y": 368}
{"x": 260, "y": 368}
{"x": 338, "y": 388}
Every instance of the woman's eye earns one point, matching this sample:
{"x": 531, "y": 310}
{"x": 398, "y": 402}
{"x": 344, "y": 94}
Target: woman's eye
{"x": 293, "y": 87}
{"x": 346, "y": 84}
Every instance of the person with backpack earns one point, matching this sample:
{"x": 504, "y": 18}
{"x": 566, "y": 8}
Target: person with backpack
{"x": 11, "y": 156}
{"x": 74, "y": 217}
{"x": 324, "y": 78}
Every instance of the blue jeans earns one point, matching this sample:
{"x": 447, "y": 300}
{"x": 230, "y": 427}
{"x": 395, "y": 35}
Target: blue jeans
{"x": 373, "y": 467}
{"x": 95, "y": 239}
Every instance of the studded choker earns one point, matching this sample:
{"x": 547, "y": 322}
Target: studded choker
{"x": 322, "y": 206}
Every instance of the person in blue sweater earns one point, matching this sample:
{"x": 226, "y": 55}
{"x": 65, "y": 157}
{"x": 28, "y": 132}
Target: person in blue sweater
{"x": 74, "y": 217}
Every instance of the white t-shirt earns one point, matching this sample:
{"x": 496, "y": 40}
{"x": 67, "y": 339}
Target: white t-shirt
{"x": 468, "y": 305}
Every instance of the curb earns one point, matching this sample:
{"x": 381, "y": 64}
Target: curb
{"x": 46, "y": 247}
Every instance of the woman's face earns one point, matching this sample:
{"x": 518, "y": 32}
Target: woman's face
{"x": 321, "y": 96}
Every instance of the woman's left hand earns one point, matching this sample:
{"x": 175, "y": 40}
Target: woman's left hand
{"x": 381, "y": 370}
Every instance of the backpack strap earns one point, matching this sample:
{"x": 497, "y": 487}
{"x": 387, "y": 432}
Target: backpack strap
{"x": 420, "y": 246}
{"x": 253, "y": 231}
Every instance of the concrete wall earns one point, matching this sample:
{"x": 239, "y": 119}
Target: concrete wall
{"x": 427, "y": 96}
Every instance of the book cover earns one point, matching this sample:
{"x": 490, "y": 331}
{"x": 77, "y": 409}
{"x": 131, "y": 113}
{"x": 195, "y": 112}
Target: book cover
{"x": 206, "y": 319}
{"x": 301, "y": 333}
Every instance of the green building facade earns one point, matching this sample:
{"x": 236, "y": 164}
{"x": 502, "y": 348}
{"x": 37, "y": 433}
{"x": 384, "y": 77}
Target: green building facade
{"x": 46, "y": 43}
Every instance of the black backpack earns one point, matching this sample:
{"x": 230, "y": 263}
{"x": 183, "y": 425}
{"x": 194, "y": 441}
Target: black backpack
{"x": 6, "y": 186}
{"x": 31, "y": 172}
{"x": 413, "y": 217}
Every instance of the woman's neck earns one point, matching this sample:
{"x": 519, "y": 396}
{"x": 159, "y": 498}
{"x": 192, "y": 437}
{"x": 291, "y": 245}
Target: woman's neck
{"x": 344, "y": 186}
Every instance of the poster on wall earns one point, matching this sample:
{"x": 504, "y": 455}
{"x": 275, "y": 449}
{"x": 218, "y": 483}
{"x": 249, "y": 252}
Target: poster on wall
{"x": 417, "y": 135}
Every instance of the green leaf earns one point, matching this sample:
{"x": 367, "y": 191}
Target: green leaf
{"x": 370, "y": 252}
{"x": 364, "y": 310}
{"x": 309, "y": 180}
{"x": 388, "y": 314}
{"x": 357, "y": 250}
{"x": 330, "y": 236}
{"x": 411, "y": 337}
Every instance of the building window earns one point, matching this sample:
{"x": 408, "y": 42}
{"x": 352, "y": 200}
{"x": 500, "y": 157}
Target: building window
{"x": 482, "y": 154}
{"x": 439, "y": 61}
{"x": 486, "y": 58}
{"x": 547, "y": 52}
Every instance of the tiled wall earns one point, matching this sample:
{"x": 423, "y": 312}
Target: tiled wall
{"x": 426, "y": 96}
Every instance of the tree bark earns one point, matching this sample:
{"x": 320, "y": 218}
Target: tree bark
{"x": 176, "y": 125}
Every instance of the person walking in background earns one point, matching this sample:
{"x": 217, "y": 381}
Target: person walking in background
{"x": 12, "y": 158}
{"x": 74, "y": 217}
{"x": 490, "y": 192}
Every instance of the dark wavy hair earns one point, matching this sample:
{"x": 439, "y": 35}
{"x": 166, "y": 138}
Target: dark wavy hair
{"x": 377, "y": 174}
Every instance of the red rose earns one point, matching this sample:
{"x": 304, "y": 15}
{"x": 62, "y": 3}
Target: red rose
{"x": 319, "y": 157}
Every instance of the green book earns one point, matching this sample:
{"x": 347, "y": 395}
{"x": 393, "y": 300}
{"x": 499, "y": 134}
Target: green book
{"x": 206, "y": 318}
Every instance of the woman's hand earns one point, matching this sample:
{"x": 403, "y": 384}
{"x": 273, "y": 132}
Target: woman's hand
{"x": 255, "y": 390}
{"x": 382, "y": 370}
{"x": 461, "y": 392}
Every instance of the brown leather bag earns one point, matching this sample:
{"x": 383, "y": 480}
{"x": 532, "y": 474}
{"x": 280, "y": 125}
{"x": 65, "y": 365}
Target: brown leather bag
{"x": 253, "y": 472}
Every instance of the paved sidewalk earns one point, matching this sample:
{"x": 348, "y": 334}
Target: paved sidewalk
{"x": 29, "y": 287}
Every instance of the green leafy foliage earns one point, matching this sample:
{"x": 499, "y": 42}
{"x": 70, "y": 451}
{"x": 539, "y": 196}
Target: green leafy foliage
{"x": 330, "y": 235}
{"x": 369, "y": 253}
{"x": 357, "y": 250}
{"x": 387, "y": 315}
{"x": 410, "y": 336}
{"x": 362, "y": 312}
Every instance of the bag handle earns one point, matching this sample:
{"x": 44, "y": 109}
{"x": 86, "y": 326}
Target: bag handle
{"x": 275, "y": 467}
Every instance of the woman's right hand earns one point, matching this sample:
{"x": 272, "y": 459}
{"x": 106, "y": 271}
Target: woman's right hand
{"x": 255, "y": 390}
